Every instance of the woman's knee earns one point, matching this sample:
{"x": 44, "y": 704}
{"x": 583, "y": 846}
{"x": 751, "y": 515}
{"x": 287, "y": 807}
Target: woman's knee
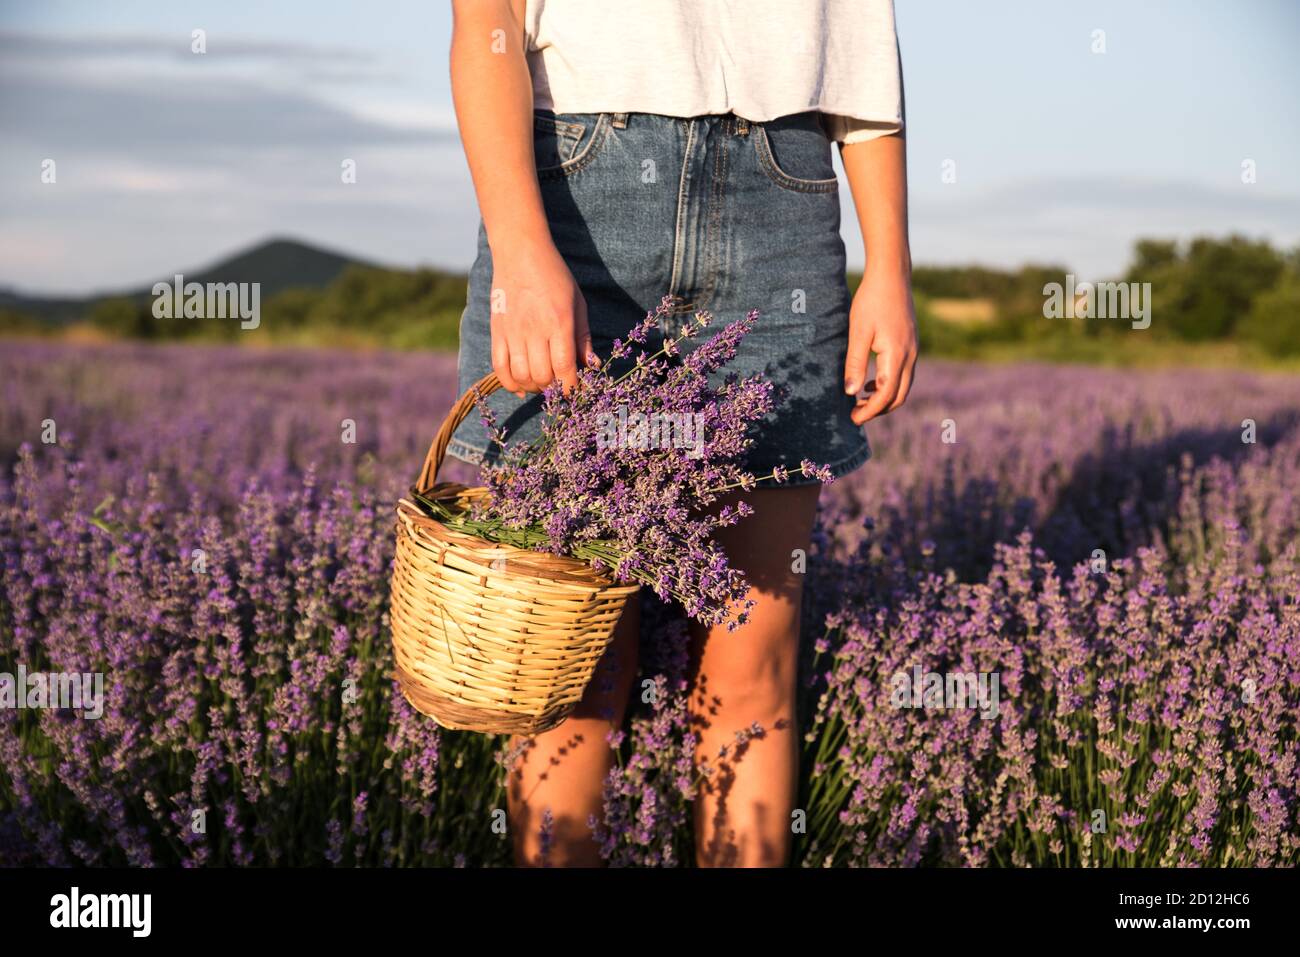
{"x": 757, "y": 685}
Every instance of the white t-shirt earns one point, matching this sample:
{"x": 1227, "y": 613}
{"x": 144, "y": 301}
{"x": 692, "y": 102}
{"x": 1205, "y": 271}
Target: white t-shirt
{"x": 759, "y": 59}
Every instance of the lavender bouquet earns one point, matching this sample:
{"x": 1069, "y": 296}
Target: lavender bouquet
{"x": 632, "y": 467}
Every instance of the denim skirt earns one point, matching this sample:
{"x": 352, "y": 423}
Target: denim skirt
{"x": 727, "y": 214}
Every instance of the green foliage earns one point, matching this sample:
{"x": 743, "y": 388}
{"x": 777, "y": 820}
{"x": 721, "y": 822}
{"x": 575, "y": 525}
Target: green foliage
{"x": 408, "y": 309}
{"x": 293, "y": 308}
{"x": 1019, "y": 309}
{"x": 1152, "y": 254}
{"x": 18, "y": 324}
{"x": 418, "y": 309}
{"x": 935, "y": 336}
{"x": 1273, "y": 322}
{"x": 1202, "y": 292}
{"x": 962, "y": 282}
{"x": 127, "y": 319}
{"x": 1230, "y": 291}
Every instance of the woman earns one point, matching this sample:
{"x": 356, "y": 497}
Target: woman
{"x": 624, "y": 151}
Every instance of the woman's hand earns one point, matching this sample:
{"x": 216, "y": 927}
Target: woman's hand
{"x": 539, "y": 318}
{"x": 539, "y": 321}
{"x": 882, "y": 320}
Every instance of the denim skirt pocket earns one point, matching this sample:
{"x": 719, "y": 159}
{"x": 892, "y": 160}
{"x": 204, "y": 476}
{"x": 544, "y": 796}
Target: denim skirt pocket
{"x": 795, "y": 153}
{"x": 564, "y": 143}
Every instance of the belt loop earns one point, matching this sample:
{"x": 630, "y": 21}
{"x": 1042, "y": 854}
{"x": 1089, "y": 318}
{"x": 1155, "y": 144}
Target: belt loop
{"x": 620, "y": 121}
{"x": 742, "y": 126}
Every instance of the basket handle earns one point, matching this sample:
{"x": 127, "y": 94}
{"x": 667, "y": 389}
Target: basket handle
{"x": 459, "y": 412}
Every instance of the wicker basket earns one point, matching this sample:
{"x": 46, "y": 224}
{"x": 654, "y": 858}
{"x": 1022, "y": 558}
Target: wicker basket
{"x": 488, "y": 637}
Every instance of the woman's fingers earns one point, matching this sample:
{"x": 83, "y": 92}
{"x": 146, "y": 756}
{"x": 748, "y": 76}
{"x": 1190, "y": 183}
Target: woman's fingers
{"x": 501, "y": 358}
{"x": 519, "y": 366}
{"x": 582, "y": 336}
{"x": 905, "y": 382}
{"x": 889, "y": 372}
{"x": 542, "y": 341}
{"x": 857, "y": 360}
{"x": 564, "y": 360}
{"x": 540, "y": 372}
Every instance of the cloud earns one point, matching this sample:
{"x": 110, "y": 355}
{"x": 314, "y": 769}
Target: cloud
{"x": 190, "y": 117}
{"x": 165, "y": 157}
{"x": 44, "y": 47}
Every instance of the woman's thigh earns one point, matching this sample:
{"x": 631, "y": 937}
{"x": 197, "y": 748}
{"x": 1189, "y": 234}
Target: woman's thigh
{"x": 755, "y": 665}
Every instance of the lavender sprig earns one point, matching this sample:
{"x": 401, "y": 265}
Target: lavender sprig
{"x": 645, "y": 511}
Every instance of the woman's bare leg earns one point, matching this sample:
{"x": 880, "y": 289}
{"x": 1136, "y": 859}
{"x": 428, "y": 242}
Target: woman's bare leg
{"x": 748, "y": 676}
{"x": 564, "y": 769}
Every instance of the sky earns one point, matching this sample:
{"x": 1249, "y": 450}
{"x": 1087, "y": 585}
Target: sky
{"x": 166, "y": 160}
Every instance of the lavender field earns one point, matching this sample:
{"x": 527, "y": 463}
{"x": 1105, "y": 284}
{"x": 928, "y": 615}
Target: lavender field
{"x": 1119, "y": 548}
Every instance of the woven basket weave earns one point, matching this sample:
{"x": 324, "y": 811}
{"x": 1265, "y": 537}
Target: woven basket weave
{"x": 488, "y": 637}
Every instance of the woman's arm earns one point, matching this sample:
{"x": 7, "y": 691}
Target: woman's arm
{"x": 882, "y": 319}
{"x": 539, "y": 318}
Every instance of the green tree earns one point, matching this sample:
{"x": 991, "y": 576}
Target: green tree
{"x": 1203, "y": 293}
{"x": 1153, "y": 254}
{"x": 127, "y": 318}
{"x": 1273, "y": 322}
{"x": 20, "y": 324}
{"x": 290, "y": 309}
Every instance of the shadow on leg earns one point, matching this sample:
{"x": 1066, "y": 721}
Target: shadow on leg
{"x": 563, "y": 770}
{"x": 743, "y": 697}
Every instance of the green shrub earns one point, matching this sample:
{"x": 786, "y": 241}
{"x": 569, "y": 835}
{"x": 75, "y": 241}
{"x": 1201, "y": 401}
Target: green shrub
{"x": 1273, "y": 322}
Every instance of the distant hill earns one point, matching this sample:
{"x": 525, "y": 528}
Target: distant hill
{"x": 39, "y": 307}
{"x": 277, "y": 264}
